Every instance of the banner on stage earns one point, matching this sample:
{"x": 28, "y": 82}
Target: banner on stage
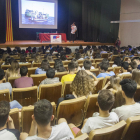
{"x": 56, "y": 38}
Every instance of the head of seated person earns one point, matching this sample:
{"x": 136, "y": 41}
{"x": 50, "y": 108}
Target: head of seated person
{"x": 33, "y": 55}
{"x": 7, "y": 60}
{"x": 61, "y": 69}
{"x": 117, "y": 61}
{"x": 137, "y": 60}
{"x": 23, "y": 58}
{"x": 38, "y": 59}
{"x": 97, "y": 55}
{"x": 77, "y": 56}
{"x": 87, "y": 64}
{"x": 124, "y": 67}
{"x": 132, "y": 52}
{"x": 4, "y": 56}
{"x": 133, "y": 65}
{"x": 63, "y": 57}
{"x": 115, "y": 52}
{"x": 104, "y": 66}
{"x": 82, "y": 85}
{"x": 136, "y": 76}
{"x": 50, "y": 73}
{"x": 76, "y": 63}
{"x": 49, "y": 58}
{"x": 58, "y": 63}
{"x": 23, "y": 71}
{"x": 14, "y": 66}
{"x": 80, "y": 47}
{"x": 45, "y": 65}
{"x": 71, "y": 67}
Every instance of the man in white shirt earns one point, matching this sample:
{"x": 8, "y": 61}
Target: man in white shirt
{"x": 42, "y": 118}
{"x": 103, "y": 118}
{"x": 73, "y": 31}
{"x": 131, "y": 108}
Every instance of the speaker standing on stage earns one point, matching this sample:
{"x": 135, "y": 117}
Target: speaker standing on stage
{"x": 73, "y": 31}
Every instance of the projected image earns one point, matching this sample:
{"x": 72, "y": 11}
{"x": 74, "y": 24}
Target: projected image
{"x": 38, "y": 12}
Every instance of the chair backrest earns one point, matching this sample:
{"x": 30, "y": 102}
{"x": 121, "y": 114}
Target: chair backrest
{"x": 126, "y": 76}
{"x": 12, "y": 79}
{"x": 36, "y": 65}
{"x": 97, "y": 64}
{"x": 98, "y": 60}
{"x": 38, "y": 78}
{"x": 99, "y": 85}
{"x": 26, "y": 119}
{"x": 125, "y": 59}
{"x": 60, "y": 74}
{"x": 72, "y": 110}
{"x": 5, "y": 67}
{"x": 110, "y": 69}
{"x": 106, "y": 80}
{"x": 51, "y": 64}
{"x": 104, "y": 55}
{"x": 111, "y": 63}
{"x": 66, "y": 88}
{"x": 96, "y": 71}
{"x": 80, "y": 61}
{"x": 25, "y": 96}
{"x": 28, "y": 65}
{"x": 51, "y": 92}
{"x": 137, "y": 94}
{"x": 113, "y": 57}
{"x": 110, "y": 133}
{"x": 82, "y": 137}
{"x": 5, "y": 95}
{"x": 14, "y": 114}
{"x": 91, "y": 106}
{"x": 66, "y": 62}
{"x": 31, "y": 71}
{"x": 131, "y": 131}
{"x": 116, "y": 70}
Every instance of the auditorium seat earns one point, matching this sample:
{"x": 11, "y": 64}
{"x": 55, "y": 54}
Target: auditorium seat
{"x": 31, "y": 71}
{"x": 110, "y": 133}
{"x": 12, "y": 79}
{"x": 51, "y": 92}
{"x": 99, "y": 85}
{"x": 5, "y": 67}
{"x": 66, "y": 62}
{"x": 14, "y": 114}
{"x": 125, "y": 59}
{"x": 92, "y": 60}
{"x": 131, "y": 131}
{"x": 60, "y": 74}
{"x": 66, "y": 88}
{"x": 105, "y": 55}
{"x": 93, "y": 64}
{"x": 98, "y": 60}
{"x": 96, "y": 71}
{"x": 72, "y": 110}
{"x": 97, "y": 64}
{"x": 116, "y": 70}
{"x": 82, "y": 137}
{"x": 111, "y": 63}
{"x": 25, "y": 96}
{"x": 36, "y": 64}
{"x": 137, "y": 94}
{"x": 5, "y": 95}
{"x": 106, "y": 80}
{"x": 38, "y": 78}
{"x": 80, "y": 61}
{"x": 110, "y": 69}
{"x": 51, "y": 64}
{"x": 91, "y": 106}
{"x": 126, "y": 76}
{"x": 28, "y": 65}
{"x": 113, "y": 57}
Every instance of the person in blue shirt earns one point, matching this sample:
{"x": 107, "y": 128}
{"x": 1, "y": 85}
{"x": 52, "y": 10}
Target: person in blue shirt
{"x": 103, "y": 70}
{"x": 132, "y": 53}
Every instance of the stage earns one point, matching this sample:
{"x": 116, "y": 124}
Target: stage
{"x": 35, "y": 43}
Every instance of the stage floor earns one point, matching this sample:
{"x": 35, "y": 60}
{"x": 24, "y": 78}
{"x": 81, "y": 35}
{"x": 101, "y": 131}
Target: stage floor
{"x": 34, "y": 43}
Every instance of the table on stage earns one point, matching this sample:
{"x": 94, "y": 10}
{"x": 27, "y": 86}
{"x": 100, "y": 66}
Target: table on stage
{"x": 46, "y": 36}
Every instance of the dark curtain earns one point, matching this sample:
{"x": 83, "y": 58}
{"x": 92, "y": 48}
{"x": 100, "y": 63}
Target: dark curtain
{"x": 2, "y": 21}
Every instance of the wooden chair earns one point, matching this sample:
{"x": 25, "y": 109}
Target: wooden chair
{"x": 111, "y": 63}
{"x": 104, "y": 55}
{"x": 66, "y": 88}
{"x": 97, "y": 64}
{"x": 5, "y": 67}
{"x": 51, "y": 92}
{"x": 82, "y": 137}
{"x": 113, "y": 57}
{"x": 125, "y": 59}
{"x": 5, "y": 95}
{"x": 12, "y": 79}
{"x": 38, "y": 78}
{"x": 80, "y": 61}
{"x": 110, "y": 133}
{"x": 126, "y": 76}
{"x": 99, "y": 85}
{"x": 93, "y": 64}
{"x": 36, "y": 65}
{"x": 96, "y": 71}
{"x": 70, "y": 58}
{"x": 131, "y": 131}
{"x": 66, "y": 62}
{"x": 31, "y": 71}
{"x": 116, "y": 70}
{"x": 14, "y": 114}
{"x": 106, "y": 80}
{"x": 25, "y": 96}
{"x": 60, "y": 74}
{"x": 72, "y": 110}
{"x": 110, "y": 69}
{"x": 98, "y": 60}
{"x": 92, "y": 60}
{"x": 51, "y": 64}
{"x": 91, "y": 106}
{"x": 28, "y": 65}
{"x": 137, "y": 94}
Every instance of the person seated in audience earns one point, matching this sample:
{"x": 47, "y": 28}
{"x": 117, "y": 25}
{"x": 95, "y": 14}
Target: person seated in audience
{"x": 50, "y": 73}
{"x": 41, "y": 125}
{"x": 58, "y": 66}
{"x": 4, "y": 56}
{"x": 114, "y": 86}
{"x": 97, "y": 55}
{"x": 103, "y": 51}
{"x": 102, "y": 119}
{"x": 78, "y": 56}
{"x": 133, "y": 65}
{"x": 71, "y": 75}
{"x": 24, "y": 81}
{"x": 103, "y": 70}
{"x": 83, "y": 84}
{"x": 129, "y": 61}
{"x": 37, "y": 59}
{"x": 87, "y": 55}
{"x": 43, "y": 68}
{"x": 49, "y": 58}
{"x": 7, "y": 61}
{"x": 137, "y": 60}
{"x": 22, "y": 59}
{"x": 11, "y": 133}
{"x": 124, "y": 69}
{"x": 33, "y": 55}
{"x": 76, "y": 64}
{"x": 131, "y": 108}
{"x": 117, "y": 62}
{"x": 132, "y": 54}
{"x": 63, "y": 57}
{"x": 13, "y": 71}
{"x": 87, "y": 66}
{"x": 136, "y": 76}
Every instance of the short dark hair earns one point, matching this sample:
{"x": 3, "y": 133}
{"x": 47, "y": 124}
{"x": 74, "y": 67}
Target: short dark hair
{"x": 4, "y": 112}
{"x": 50, "y": 73}
{"x": 45, "y": 65}
{"x": 105, "y": 99}
{"x": 87, "y": 64}
{"x": 77, "y": 56}
{"x": 23, "y": 58}
{"x": 43, "y": 111}
{"x": 2, "y": 74}
{"x": 71, "y": 66}
{"x": 125, "y": 65}
{"x": 132, "y": 52}
{"x": 134, "y": 65}
{"x": 104, "y": 66}
{"x": 117, "y": 61}
{"x": 129, "y": 87}
{"x": 23, "y": 71}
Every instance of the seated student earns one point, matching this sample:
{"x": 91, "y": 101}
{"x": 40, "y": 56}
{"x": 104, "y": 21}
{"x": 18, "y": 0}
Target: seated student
{"x": 131, "y": 108}
{"x": 133, "y": 65}
{"x": 71, "y": 75}
{"x": 117, "y": 62}
{"x": 24, "y": 81}
{"x": 103, "y": 51}
{"x": 78, "y": 56}
{"x": 87, "y": 65}
{"x": 11, "y": 133}
{"x": 132, "y": 53}
{"x": 137, "y": 60}
{"x": 124, "y": 69}
{"x": 22, "y": 59}
{"x": 102, "y": 119}
{"x": 44, "y": 67}
{"x": 50, "y": 73}
{"x": 76, "y": 64}
{"x": 103, "y": 70}
{"x": 58, "y": 66}
{"x": 41, "y": 128}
